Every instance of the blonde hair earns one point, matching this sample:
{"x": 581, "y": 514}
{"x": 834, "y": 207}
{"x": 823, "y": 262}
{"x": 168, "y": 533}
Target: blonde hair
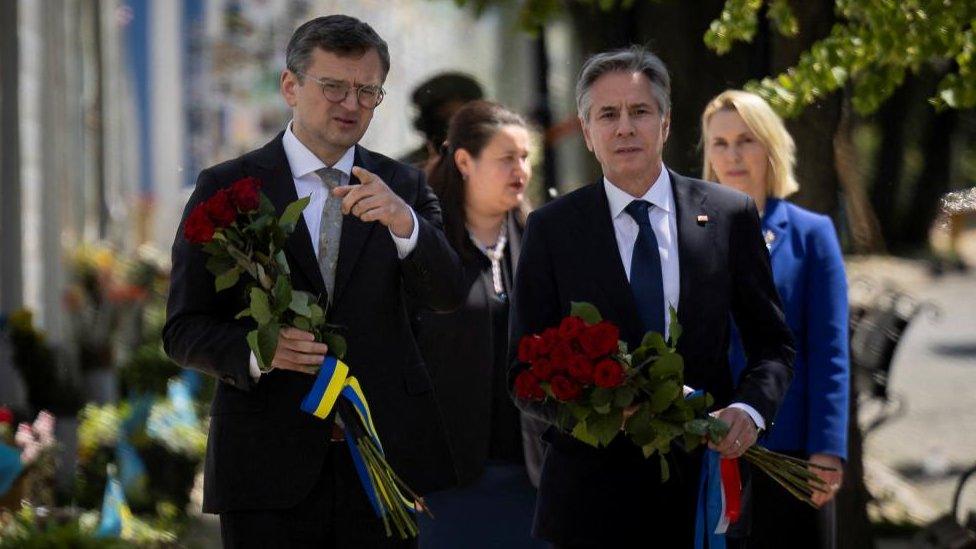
{"x": 768, "y": 128}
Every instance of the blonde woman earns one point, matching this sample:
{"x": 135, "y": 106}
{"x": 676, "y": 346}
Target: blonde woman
{"x": 746, "y": 146}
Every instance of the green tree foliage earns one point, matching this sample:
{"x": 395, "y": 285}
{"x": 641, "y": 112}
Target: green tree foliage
{"x": 873, "y": 46}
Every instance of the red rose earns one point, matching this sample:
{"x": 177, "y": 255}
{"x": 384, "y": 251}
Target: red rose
{"x": 6, "y": 416}
{"x": 550, "y": 337}
{"x": 198, "y": 228}
{"x": 245, "y": 194}
{"x": 581, "y": 369}
{"x": 542, "y": 369}
{"x": 220, "y": 209}
{"x": 527, "y": 387}
{"x": 562, "y": 353}
{"x": 608, "y": 373}
{"x": 599, "y": 339}
{"x": 571, "y": 327}
{"x": 529, "y": 348}
{"x": 565, "y": 389}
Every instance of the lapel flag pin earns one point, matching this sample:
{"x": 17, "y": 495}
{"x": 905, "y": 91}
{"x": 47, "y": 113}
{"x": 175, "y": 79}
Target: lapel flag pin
{"x": 702, "y": 219}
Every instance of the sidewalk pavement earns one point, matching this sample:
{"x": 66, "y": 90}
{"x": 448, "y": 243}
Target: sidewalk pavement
{"x": 913, "y": 462}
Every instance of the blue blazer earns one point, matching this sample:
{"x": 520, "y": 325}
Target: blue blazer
{"x": 808, "y": 270}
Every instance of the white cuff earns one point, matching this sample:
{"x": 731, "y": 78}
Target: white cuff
{"x": 255, "y": 370}
{"x": 406, "y": 245}
{"x": 756, "y": 417}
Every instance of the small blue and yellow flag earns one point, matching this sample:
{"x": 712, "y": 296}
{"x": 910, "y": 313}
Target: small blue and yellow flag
{"x": 116, "y": 516}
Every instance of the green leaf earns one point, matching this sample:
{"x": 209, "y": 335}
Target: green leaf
{"x": 717, "y": 429}
{"x": 282, "y": 262}
{"x": 242, "y": 314}
{"x": 267, "y": 340}
{"x": 301, "y": 323}
{"x": 260, "y": 309}
{"x": 579, "y": 412}
{"x": 227, "y": 279}
{"x": 665, "y": 470}
{"x": 697, "y": 427}
{"x": 639, "y": 427}
{"x": 316, "y": 315}
{"x": 282, "y": 295}
{"x": 601, "y": 396}
{"x": 691, "y": 441}
{"x": 336, "y": 344}
{"x": 654, "y": 340}
{"x": 700, "y": 402}
{"x": 582, "y": 433}
{"x": 220, "y": 262}
{"x": 587, "y": 311}
{"x": 290, "y": 216}
{"x": 624, "y": 396}
{"x": 300, "y": 303}
{"x": 668, "y": 366}
{"x": 674, "y": 328}
{"x": 604, "y": 427}
{"x": 663, "y": 396}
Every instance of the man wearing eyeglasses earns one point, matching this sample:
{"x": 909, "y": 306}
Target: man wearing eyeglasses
{"x": 370, "y": 235}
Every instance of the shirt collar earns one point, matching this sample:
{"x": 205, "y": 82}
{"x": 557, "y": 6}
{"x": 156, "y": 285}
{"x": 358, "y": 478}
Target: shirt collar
{"x": 303, "y": 161}
{"x": 659, "y": 194}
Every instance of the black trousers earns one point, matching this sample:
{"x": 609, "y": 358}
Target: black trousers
{"x": 335, "y": 514}
{"x": 780, "y": 520}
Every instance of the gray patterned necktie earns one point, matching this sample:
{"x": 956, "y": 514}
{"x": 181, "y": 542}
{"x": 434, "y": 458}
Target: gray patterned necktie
{"x": 330, "y": 229}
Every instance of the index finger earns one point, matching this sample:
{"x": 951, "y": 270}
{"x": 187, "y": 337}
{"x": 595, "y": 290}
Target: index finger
{"x": 364, "y": 176}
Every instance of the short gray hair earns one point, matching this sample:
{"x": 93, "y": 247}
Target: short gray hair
{"x": 629, "y": 60}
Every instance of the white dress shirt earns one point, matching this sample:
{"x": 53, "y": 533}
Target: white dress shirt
{"x": 664, "y": 221}
{"x": 303, "y": 164}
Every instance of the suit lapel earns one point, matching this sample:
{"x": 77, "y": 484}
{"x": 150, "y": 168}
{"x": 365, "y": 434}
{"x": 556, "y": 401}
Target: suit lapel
{"x": 354, "y": 231}
{"x": 695, "y": 241}
{"x": 279, "y": 186}
{"x": 774, "y": 224}
{"x": 603, "y": 263}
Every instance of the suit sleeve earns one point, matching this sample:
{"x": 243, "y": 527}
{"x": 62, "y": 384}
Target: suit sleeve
{"x": 535, "y": 307}
{"x": 826, "y": 343}
{"x": 432, "y": 271}
{"x": 758, "y": 314}
{"x": 199, "y": 332}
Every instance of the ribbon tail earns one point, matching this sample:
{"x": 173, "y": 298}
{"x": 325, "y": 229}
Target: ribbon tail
{"x": 709, "y": 531}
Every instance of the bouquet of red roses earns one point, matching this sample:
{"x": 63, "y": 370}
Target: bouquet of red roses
{"x": 593, "y": 379}
{"x": 239, "y": 230}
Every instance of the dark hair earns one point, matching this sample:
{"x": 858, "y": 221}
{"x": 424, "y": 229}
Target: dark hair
{"x": 434, "y": 94}
{"x": 632, "y": 59}
{"x": 339, "y": 34}
{"x": 471, "y": 128}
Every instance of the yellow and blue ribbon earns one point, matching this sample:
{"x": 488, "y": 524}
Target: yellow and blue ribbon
{"x": 332, "y": 382}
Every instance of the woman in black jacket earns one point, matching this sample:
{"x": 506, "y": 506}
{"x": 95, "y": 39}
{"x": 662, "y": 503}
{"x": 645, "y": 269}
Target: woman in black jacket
{"x": 480, "y": 179}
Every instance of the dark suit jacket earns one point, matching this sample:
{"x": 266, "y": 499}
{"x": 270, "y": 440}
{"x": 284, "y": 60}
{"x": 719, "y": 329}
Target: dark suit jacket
{"x": 809, "y": 272}
{"x": 569, "y": 253}
{"x": 263, "y": 451}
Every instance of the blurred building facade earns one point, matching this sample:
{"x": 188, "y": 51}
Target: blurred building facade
{"x": 110, "y": 108}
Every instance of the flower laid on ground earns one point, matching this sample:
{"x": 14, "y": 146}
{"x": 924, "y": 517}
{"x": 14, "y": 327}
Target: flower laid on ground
{"x": 593, "y": 379}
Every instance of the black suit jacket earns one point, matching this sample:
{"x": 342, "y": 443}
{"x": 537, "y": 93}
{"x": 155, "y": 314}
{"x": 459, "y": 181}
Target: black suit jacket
{"x": 569, "y": 253}
{"x": 263, "y": 451}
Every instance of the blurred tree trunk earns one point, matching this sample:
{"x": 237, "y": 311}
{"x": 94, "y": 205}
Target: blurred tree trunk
{"x": 932, "y": 182}
{"x": 889, "y": 159}
{"x": 864, "y": 232}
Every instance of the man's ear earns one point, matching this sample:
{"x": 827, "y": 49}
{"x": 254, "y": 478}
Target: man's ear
{"x": 666, "y": 127}
{"x": 586, "y": 134}
{"x": 288, "y": 87}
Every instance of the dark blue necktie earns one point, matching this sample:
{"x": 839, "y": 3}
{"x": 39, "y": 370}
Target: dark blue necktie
{"x": 646, "y": 281}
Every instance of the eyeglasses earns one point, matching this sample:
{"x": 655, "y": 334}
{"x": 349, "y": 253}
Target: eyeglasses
{"x": 369, "y": 97}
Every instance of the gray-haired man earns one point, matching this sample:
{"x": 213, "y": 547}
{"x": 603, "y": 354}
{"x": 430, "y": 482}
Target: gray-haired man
{"x": 636, "y": 242}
